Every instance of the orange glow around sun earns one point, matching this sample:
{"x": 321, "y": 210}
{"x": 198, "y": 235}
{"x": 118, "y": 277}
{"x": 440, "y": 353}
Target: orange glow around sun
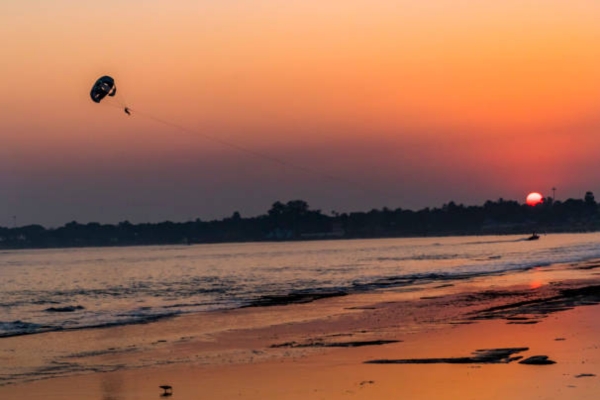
{"x": 534, "y": 198}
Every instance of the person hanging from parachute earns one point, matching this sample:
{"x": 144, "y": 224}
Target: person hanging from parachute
{"x": 105, "y": 86}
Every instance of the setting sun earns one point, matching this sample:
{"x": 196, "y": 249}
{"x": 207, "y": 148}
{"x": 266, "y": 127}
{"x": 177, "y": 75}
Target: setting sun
{"x": 534, "y": 198}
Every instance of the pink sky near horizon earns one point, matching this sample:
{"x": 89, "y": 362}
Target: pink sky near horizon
{"x": 410, "y": 104}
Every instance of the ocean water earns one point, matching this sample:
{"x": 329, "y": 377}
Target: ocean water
{"x": 61, "y": 289}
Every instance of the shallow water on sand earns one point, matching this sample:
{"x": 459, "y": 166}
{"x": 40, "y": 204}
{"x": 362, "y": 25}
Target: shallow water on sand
{"x": 62, "y": 289}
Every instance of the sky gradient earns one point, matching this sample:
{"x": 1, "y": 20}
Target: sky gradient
{"x": 349, "y": 105}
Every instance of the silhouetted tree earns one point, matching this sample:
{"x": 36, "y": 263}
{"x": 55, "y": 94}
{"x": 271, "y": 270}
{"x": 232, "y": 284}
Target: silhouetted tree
{"x": 296, "y": 220}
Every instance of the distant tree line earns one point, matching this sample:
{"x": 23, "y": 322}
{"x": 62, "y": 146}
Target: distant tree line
{"x": 295, "y": 220}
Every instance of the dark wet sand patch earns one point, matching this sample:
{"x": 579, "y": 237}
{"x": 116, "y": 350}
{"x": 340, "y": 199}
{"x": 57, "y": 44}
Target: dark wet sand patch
{"x": 445, "y": 285}
{"x": 483, "y": 356}
{"x": 64, "y": 309}
{"x": 537, "y": 360}
{"x": 523, "y": 322}
{"x": 534, "y": 307}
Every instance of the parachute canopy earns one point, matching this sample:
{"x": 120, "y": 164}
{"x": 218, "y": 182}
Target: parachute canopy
{"x": 104, "y": 86}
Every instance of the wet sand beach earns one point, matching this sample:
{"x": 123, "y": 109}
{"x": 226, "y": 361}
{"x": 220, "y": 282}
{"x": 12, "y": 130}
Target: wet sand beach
{"x": 462, "y": 341}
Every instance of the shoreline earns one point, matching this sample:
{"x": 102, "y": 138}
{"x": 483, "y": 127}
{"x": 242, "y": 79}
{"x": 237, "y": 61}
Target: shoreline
{"x": 63, "y": 314}
{"x": 319, "y": 339}
{"x": 525, "y": 231}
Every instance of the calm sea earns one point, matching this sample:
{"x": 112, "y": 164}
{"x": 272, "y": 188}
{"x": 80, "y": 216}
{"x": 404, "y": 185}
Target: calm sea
{"x": 57, "y": 289}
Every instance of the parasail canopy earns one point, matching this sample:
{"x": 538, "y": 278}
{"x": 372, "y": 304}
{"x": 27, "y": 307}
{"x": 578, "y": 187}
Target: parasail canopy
{"x": 104, "y": 86}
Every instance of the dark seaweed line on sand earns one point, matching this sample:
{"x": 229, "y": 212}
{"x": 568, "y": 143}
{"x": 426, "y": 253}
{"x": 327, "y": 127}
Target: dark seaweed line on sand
{"x": 309, "y": 295}
{"x": 46, "y": 329}
{"x": 355, "y": 343}
{"x": 292, "y": 298}
{"x": 483, "y": 356}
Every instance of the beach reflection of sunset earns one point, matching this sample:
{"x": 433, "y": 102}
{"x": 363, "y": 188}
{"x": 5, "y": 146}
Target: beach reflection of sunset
{"x": 537, "y": 280}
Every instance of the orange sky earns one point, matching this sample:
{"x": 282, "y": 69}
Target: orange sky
{"x": 412, "y": 103}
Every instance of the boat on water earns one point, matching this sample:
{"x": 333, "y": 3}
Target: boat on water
{"x": 533, "y": 236}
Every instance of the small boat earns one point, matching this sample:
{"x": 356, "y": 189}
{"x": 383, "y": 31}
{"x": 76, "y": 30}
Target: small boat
{"x": 534, "y": 236}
